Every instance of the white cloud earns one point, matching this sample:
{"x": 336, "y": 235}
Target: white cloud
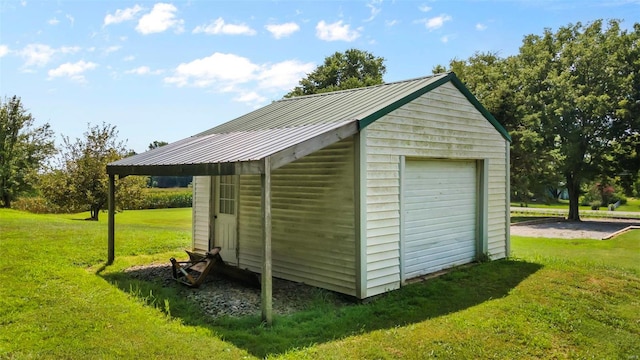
{"x": 424, "y": 8}
{"x": 143, "y": 70}
{"x": 4, "y": 50}
{"x": 161, "y": 18}
{"x": 335, "y": 31}
{"x": 37, "y": 54}
{"x": 481, "y": 27}
{"x": 230, "y": 73}
{"x": 445, "y": 39}
{"x": 250, "y": 97}
{"x": 220, "y": 27}
{"x": 111, "y": 49}
{"x": 53, "y": 21}
{"x": 375, "y": 10}
{"x": 391, "y": 23}
{"x": 72, "y": 70}
{"x": 129, "y": 58}
{"x": 70, "y": 18}
{"x": 282, "y": 30}
{"x": 219, "y": 67}
{"x": 437, "y": 22}
{"x": 122, "y": 15}
{"x": 69, "y": 49}
{"x": 284, "y": 75}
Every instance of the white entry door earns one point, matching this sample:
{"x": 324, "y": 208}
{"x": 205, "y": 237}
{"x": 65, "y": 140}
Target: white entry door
{"x": 226, "y": 215}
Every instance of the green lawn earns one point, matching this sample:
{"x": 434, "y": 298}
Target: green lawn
{"x": 632, "y": 205}
{"x": 554, "y": 299}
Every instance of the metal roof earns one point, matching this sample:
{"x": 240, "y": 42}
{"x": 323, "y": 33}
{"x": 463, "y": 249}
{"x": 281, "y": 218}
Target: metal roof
{"x": 325, "y": 107}
{"x": 284, "y": 124}
{"x": 239, "y": 146}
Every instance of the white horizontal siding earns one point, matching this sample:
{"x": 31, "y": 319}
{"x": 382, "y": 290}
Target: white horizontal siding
{"x": 200, "y": 229}
{"x": 313, "y": 220}
{"x": 441, "y": 124}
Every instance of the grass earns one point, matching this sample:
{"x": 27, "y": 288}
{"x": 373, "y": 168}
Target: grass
{"x": 561, "y": 204}
{"x": 632, "y": 205}
{"x": 621, "y": 253}
{"x": 555, "y": 298}
{"x": 522, "y": 218}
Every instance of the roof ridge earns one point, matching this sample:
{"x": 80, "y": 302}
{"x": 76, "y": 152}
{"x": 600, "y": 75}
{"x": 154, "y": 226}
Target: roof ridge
{"x": 363, "y": 88}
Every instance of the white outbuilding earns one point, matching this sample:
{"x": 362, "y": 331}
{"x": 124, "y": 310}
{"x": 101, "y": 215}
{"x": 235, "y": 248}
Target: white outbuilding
{"x": 355, "y": 191}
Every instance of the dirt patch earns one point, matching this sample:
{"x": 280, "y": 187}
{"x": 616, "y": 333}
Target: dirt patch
{"x": 586, "y": 229}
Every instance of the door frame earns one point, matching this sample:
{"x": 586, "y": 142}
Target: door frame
{"x": 482, "y": 194}
{"x": 214, "y": 207}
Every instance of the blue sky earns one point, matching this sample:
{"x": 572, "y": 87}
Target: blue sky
{"x": 168, "y": 70}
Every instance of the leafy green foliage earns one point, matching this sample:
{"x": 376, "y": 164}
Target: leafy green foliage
{"x": 150, "y": 198}
{"x": 578, "y": 83}
{"x": 81, "y": 183}
{"x": 164, "y": 198}
{"x": 23, "y": 150}
{"x": 570, "y": 100}
{"x": 352, "y": 69}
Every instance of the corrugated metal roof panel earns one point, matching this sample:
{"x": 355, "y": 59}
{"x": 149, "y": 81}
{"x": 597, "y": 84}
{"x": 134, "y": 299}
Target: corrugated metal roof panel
{"x": 324, "y": 108}
{"x": 229, "y": 147}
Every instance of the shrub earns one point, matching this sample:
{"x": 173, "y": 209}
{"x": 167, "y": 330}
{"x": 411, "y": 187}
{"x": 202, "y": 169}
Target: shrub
{"x": 618, "y": 197}
{"x": 151, "y": 199}
{"x": 36, "y": 205}
{"x": 163, "y": 198}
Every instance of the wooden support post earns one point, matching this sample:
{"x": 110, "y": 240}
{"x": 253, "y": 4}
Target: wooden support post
{"x": 266, "y": 291}
{"x": 111, "y": 226}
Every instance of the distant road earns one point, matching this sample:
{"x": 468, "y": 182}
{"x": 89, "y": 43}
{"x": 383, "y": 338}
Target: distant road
{"x": 588, "y": 213}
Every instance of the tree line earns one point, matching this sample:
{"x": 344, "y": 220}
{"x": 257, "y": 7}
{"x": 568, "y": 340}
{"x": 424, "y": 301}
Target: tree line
{"x": 570, "y": 100}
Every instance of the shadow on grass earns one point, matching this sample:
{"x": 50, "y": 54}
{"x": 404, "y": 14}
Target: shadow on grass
{"x": 325, "y": 321}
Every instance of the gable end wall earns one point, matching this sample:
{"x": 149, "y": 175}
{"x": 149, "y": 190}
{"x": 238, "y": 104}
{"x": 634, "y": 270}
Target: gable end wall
{"x": 440, "y": 124}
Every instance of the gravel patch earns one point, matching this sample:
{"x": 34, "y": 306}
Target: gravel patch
{"x": 586, "y": 229}
{"x": 219, "y": 296}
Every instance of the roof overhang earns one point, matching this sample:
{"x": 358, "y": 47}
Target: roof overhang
{"x": 227, "y": 154}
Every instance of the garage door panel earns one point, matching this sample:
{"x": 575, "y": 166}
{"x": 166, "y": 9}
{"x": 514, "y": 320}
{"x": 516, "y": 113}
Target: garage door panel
{"x": 442, "y": 221}
{"x": 420, "y": 227}
{"x": 416, "y": 241}
{"x": 439, "y": 215}
{"x": 442, "y": 243}
{"x": 443, "y": 253}
{"x": 436, "y": 264}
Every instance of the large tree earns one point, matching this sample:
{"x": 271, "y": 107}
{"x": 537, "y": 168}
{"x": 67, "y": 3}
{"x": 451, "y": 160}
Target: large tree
{"x": 579, "y": 83}
{"x": 23, "y": 149}
{"x": 81, "y": 182}
{"x": 352, "y": 69}
{"x": 571, "y": 101}
{"x": 496, "y": 82}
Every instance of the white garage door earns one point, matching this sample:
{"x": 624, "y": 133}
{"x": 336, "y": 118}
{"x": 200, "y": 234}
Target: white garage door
{"x": 439, "y": 204}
